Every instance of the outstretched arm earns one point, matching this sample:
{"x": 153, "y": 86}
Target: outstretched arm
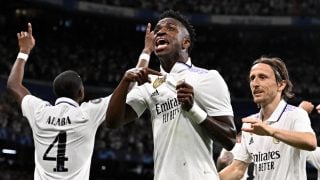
{"x": 118, "y": 112}
{"x": 234, "y": 171}
{"x": 14, "y": 84}
{"x": 301, "y": 140}
{"x": 220, "y": 128}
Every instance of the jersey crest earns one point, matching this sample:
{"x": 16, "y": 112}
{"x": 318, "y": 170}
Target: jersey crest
{"x": 157, "y": 82}
{"x": 275, "y": 140}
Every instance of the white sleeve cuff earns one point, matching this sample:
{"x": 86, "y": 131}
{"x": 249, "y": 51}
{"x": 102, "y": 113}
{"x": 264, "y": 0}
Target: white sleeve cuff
{"x": 144, "y": 56}
{"x": 196, "y": 114}
{"x": 23, "y": 56}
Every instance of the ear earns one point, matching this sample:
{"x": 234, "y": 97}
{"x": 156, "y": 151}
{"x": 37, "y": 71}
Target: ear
{"x": 282, "y": 85}
{"x": 186, "y": 43}
{"x": 81, "y": 94}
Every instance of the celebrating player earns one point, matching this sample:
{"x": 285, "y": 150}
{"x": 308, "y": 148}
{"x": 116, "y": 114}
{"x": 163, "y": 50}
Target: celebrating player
{"x": 276, "y": 138}
{"x": 189, "y": 105}
{"x": 63, "y": 133}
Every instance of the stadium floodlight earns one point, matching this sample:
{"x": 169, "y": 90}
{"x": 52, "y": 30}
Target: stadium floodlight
{"x": 9, "y": 151}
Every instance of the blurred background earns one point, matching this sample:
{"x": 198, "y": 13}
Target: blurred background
{"x": 100, "y": 39}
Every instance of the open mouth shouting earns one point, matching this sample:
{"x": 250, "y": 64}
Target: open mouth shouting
{"x": 161, "y": 44}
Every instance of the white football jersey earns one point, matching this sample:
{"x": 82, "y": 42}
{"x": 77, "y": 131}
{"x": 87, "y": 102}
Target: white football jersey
{"x": 313, "y": 158}
{"x": 182, "y": 148}
{"x": 63, "y": 135}
{"x": 272, "y": 158}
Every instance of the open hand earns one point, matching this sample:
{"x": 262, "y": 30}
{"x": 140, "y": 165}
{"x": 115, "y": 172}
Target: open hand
{"x": 257, "y": 127}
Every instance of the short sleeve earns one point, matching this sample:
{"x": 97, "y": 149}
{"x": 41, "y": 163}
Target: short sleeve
{"x": 240, "y": 151}
{"x": 136, "y": 100}
{"x": 313, "y": 158}
{"x": 213, "y": 95}
{"x": 302, "y": 121}
{"x": 96, "y": 109}
{"x": 30, "y": 105}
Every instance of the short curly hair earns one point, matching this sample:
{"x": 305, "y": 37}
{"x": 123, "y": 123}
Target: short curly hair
{"x": 186, "y": 23}
{"x": 67, "y": 84}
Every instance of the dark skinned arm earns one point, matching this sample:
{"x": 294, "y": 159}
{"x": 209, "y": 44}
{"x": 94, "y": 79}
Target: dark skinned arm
{"x": 148, "y": 47}
{"x": 220, "y": 128}
{"x": 118, "y": 112}
{"x": 14, "y": 84}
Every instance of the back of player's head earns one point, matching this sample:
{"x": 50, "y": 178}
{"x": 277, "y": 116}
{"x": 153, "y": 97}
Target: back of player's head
{"x": 280, "y": 71}
{"x": 67, "y": 84}
{"x": 184, "y": 21}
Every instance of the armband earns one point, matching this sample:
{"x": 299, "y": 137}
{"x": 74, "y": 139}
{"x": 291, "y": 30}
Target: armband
{"x": 144, "y": 56}
{"x": 196, "y": 114}
{"x": 23, "y": 56}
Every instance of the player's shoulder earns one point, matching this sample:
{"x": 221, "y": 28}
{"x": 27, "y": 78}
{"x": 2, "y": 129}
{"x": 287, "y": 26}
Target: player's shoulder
{"x": 294, "y": 110}
{"x": 95, "y": 102}
{"x": 198, "y": 70}
{"x": 34, "y": 101}
{"x": 291, "y": 107}
{"x": 203, "y": 72}
{"x": 30, "y": 97}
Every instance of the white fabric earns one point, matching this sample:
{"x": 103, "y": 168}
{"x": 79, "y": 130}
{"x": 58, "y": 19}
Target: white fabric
{"x": 74, "y": 125}
{"x": 272, "y": 158}
{"x": 313, "y": 158}
{"x": 23, "y": 56}
{"x": 236, "y": 146}
{"x": 182, "y": 149}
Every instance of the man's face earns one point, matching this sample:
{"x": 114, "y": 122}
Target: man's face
{"x": 169, "y": 36}
{"x": 263, "y": 84}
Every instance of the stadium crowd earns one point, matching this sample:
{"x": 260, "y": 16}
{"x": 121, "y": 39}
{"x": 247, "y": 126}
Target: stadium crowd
{"x": 226, "y": 7}
{"x": 100, "y": 49}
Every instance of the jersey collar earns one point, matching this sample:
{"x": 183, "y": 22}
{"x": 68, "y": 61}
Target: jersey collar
{"x": 277, "y": 113}
{"x": 179, "y": 66}
{"x": 67, "y": 101}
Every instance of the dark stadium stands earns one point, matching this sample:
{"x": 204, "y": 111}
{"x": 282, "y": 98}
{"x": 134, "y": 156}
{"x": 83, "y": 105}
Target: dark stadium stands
{"x": 100, "y": 48}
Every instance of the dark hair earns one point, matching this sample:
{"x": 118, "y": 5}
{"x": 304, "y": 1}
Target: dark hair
{"x": 281, "y": 73}
{"x": 67, "y": 84}
{"x": 184, "y": 21}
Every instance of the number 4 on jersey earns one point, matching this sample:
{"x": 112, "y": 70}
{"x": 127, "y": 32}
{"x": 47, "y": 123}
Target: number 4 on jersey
{"x": 61, "y": 138}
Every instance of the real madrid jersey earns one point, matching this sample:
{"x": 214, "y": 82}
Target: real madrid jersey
{"x": 63, "y": 135}
{"x": 182, "y": 149}
{"x": 272, "y": 158}
{"x": 313, "y": 158}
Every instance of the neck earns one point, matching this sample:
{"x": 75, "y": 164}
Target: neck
{"x": 168, "y": 62}
{"x": 268, "y": 109}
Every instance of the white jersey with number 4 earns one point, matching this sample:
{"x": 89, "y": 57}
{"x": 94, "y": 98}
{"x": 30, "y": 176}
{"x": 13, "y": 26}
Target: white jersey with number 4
{"x": 63, "y": 135}
{"x": 182, "y": 148}
{"x": 274, "y": 159}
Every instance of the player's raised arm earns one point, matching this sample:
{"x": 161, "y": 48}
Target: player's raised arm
{"x": 119, "y": 112}
{"x": 26, "y": 43}
{"x": 148, "y": 48}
